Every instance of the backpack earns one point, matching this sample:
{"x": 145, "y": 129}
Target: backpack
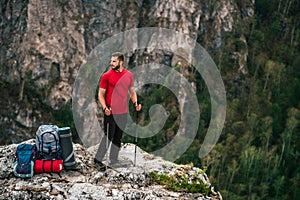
{"x": 24, "y": 160}
{"x": 47, "y": 143}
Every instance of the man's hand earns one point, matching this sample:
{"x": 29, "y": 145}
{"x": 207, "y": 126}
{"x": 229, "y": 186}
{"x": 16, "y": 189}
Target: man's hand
{"x": 138, "y": 107}
{"x": 107, "y": 111}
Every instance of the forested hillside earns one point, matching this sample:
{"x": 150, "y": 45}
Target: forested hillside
{"x": 257, "y": 156}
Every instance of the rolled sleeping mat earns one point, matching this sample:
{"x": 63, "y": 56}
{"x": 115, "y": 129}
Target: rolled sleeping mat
{"x": 48, "y": 166}
{"x": 65, "y": 137}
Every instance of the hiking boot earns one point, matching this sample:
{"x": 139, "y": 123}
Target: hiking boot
{"x": 99, "y": 165}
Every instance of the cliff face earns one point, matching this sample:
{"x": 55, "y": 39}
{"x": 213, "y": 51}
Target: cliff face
{"x": 43, "y": 44}
{"x": 132, "y": 182}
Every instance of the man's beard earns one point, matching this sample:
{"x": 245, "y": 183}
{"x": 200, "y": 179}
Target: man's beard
{"x": 116, "y": 68}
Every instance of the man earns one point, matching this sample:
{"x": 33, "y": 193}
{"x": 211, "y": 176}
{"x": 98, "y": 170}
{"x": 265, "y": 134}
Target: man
{"x": 113, "y": 95}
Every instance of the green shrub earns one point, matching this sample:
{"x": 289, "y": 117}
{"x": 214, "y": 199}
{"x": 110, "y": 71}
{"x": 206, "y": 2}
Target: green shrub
{"x": 180, "y": 184}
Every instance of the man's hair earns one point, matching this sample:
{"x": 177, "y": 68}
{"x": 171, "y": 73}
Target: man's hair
{"x": 119, "y": 55}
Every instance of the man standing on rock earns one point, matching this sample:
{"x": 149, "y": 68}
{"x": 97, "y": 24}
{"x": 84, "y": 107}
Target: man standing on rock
{"x": 114, "y": 87}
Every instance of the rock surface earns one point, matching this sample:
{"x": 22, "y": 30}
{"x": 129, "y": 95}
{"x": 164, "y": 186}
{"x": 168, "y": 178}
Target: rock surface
{"x": 131, "y": 182}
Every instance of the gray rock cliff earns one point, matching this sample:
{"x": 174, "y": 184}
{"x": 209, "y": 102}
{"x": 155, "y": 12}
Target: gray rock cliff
{"x": 43, "y": 44}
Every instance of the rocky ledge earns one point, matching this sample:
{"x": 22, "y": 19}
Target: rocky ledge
{"x": 148, "y": 179}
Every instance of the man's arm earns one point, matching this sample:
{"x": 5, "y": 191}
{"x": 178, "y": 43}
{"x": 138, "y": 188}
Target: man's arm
{"x": 133, "y": 95}
{"x": 101, "y": 98}
{"x": 133, "y": 98}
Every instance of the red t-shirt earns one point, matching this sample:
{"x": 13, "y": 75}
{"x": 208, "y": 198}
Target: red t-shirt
{"x": 117, "y": 85}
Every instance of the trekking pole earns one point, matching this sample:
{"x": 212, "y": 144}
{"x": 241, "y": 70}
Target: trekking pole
{"x": 107, "y": 131}
{"x": 135, "y": 139}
